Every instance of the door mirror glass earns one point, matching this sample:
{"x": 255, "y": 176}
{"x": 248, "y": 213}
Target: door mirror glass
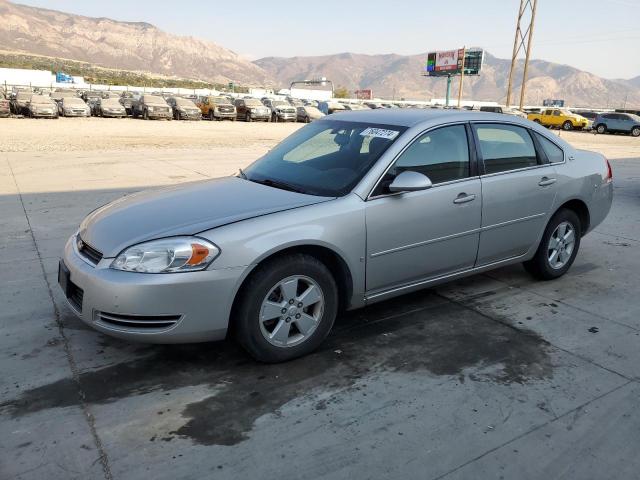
{"x": 409, "y": 181}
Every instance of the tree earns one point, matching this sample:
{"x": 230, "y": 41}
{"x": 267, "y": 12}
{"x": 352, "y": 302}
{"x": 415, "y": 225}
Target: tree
{"x": 341, "y": 92}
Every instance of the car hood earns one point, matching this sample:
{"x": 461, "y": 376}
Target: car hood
{"x": 184, "y": 209}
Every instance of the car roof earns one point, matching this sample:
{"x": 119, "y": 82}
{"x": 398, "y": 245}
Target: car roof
{"x": 409, "y": 117}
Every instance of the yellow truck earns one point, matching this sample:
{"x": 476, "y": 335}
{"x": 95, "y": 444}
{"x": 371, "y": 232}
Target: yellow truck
{"x": 559, "y": 118}
{"x": 217, "y": 108}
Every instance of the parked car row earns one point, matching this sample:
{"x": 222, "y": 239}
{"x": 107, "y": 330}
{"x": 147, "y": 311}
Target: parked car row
{"x": 70, "y": 103}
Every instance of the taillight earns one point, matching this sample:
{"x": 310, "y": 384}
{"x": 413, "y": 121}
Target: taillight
{"x": 609, "y": 177}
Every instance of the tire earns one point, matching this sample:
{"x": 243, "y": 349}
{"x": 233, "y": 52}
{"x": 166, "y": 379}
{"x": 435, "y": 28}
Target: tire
{"x": 567, "y": 126}
{"x": 307, "y": 119}
{"x": 211, "y": 116}
{"x": 601, "y": 129}
{"x": 274, "y": 118}
{"x": 145, "y": 115}
{"x": 247, "y": 117}
{"x": 251, "y": 330}
{"x": 635, "y": 132}
{"x": 540, "y": 265}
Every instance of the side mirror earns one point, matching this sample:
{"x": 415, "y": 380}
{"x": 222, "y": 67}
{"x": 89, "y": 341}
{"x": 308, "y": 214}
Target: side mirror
{"x": 409, "y": 181}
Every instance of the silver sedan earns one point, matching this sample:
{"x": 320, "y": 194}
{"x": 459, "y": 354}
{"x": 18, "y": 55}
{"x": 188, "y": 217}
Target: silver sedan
{"x": 349, "y": 210}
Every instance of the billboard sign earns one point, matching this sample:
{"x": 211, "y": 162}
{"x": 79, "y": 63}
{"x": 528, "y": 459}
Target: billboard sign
{"x": 449, "y": 62}
{"x": 550, "y": 102}
{"x": 365, "y": 94}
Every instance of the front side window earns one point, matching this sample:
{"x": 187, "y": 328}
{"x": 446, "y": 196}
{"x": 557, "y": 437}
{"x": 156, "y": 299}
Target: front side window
{"x": 326, "y": 158}
{"x": 442, "y": 155}
{"x": 505, "y": 147}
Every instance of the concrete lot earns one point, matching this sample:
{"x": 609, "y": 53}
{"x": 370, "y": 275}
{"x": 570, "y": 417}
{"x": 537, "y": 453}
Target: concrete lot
{"x": 495, "y": 376}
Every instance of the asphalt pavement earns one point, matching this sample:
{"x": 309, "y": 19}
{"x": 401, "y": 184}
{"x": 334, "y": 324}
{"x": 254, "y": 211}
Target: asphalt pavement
{"x": 495, "y": 376}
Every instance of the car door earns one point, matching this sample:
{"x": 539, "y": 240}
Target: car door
{"x": 625, "y": 122}
{"x": 430, "y": 233}
{"x": 518, "y": 190}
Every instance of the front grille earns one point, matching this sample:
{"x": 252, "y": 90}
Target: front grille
{"x": 137, "y": 322}
{"x": 225, "y": 109}
{"x": 88, "y": 252}
{"x": 75, "y": 296}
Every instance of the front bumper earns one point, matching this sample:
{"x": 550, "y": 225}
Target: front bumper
{"x": 158, "y": 115}
{"x": 76, "y": 114}
{"x": 44, "y": 114}
{"x": 224, "y": 115}
{"x": 199, "y": 303}
{"x": 113, "y": 114}
{"x": 287, "y": 117}
{"x": 260, "y": 116}
{"x": 190, "y": 116}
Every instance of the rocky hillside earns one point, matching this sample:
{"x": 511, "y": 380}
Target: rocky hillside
{"x": 121, "y": 45}
{"x": 141, "y": 47}
{"x": 397, "y": 76}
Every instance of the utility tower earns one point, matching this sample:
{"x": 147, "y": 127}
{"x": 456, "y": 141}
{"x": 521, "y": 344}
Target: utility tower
{"x": 522, "y": 42}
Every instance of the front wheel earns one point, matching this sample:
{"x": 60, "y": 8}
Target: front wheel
{"x": 286, "y": 309}
{"x": 558, "y": 247}
{"x": 567, "y": 126}
{"x": 635, "y": 132}
{"x": 601, "y": 129}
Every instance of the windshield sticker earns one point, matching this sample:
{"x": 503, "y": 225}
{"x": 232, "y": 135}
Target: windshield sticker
{"x": 380, "y": 133}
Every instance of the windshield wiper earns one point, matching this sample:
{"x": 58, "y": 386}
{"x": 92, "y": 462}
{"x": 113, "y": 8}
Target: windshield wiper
{"x": 279, "y": 184}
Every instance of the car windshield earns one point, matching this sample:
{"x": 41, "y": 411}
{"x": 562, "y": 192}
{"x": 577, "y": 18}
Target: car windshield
{"x": 111, "y": 102}
{"x": 634, "y": 117}
{"x": 73, "y": 101}
{"x": 280, "y": 103}
{"x": 221, "y": 100}
{"x": 253, "y": 103}
{"x": 184, "y": 102}
{"x": 40, "y": 99}
{"x": 153, "y": 99}
{"x": 326, "y": 158}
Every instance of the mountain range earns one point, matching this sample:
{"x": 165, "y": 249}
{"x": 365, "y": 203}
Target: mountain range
{"x": 139, "y": 46}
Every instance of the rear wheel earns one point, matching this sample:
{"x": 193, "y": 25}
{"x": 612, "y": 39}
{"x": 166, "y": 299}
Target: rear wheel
{"x": 145, "y": 115}
{"x": 567, "y": 126}
{"x": 558, "y": 247}
{"x": 635, "y": 132}
{"x": 286, "y": 308}
{"x": 601, "y": 129}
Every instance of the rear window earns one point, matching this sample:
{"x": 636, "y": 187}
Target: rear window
{"x": 505, "y": 147}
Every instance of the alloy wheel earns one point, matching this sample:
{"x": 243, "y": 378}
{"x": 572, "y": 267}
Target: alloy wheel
{"x": 291, "y": 311}
{"x": 561, "y": 245}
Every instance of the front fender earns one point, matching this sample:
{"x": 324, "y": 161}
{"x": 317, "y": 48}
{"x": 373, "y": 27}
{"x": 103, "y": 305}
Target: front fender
{"x": 337, "y": 225}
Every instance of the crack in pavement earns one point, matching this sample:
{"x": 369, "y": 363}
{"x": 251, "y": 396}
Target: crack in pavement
{"x": 534, "y": 429}
{"x": 104, "y": 460}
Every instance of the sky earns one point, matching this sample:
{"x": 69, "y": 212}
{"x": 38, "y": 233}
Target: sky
{"x": 599, "y": 36}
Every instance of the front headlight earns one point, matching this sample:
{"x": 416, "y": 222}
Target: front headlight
{"x": 150, "y": 109}
{"x": 168, "y": 255}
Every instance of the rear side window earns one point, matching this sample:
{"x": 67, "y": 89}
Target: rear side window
{"x": 505, "y": 147}
{"x": 553, "y": 152}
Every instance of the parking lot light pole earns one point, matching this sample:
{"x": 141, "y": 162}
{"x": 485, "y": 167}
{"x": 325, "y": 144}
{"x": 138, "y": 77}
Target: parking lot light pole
{"x": 448, "y": 90}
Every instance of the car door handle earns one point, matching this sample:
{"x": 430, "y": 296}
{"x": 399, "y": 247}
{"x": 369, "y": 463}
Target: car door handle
{"x": 464, "y": 198}
{"x": 546, "y": 181}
